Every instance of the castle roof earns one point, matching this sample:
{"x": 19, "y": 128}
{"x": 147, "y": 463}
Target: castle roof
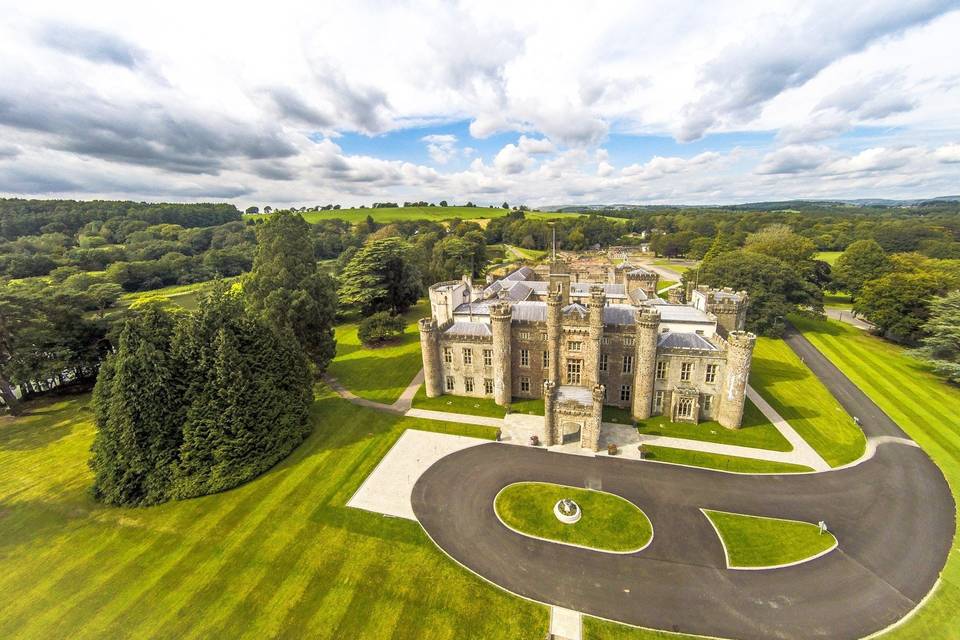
{"x": 481, "y": 308}
{"x": 530, "y": 311}
{"x": 580, "y": 395}
{"x": 682, "y": 313}
{"x": 674, "y": 340}
{"x": 576, "y": 308}
{"x": 469, "y": 329}
{"x": 619, "y": 314}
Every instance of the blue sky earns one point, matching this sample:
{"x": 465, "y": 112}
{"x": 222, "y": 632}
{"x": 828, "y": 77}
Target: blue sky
{"x": 533, "y": 102}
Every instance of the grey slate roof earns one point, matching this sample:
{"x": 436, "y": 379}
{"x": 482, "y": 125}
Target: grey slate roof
{"x": 518, "y": 292}
{"x": 674, "y": 340}
{"x": 481, "y": 308}
{"x": 619, "y": 314}
{"x": 523, "y": 273}
{"x": 530, "y": 311}
{"x": 469, "y": 329}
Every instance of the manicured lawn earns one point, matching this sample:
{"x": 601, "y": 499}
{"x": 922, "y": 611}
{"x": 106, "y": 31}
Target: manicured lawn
{"x": 837, "y": 301}
{"x": 791, "y": 388}
{"x": 475, "y": 406}
{"x": 926, "y": 408}
{"x": 830, "y": 257}
{"x": 608, "y": 523}
{"x": 382, "y": 373}
{"x": 753, "y": 541}
{"x": 279, "y": 557}
{"x": 663, "y": 284}
{"x": 458, "y": 404}
{"x": 616, "y": 414}
{"x": 719, "y": 461}
{"x": 525, "y": 254}
{"x": 756, "y": 431}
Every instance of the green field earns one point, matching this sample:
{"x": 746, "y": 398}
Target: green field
{"x": 476, "y": 406}
{"x": 753, "y": 541}
{"x": 279, "y": 557}
{"x": 791, "y": 388}
{"x": 838, "y": 301}
{"x": 394, "y": 214}
{"x": 830, "y": 257}
{"x": 184, "y": 295}
{"x": 756, "y": 431}
{"x": 382, "y": 373}
{"x": 608, "y": 522}
{"x": 926, "y": 408}
{"x": 719, "y": 461}
{"x": 524, "y": 254}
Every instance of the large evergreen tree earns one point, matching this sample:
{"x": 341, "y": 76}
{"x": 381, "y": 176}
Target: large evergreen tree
{"x": 381, "y": 277}
{"x": 285, "y": 288}
{"x": 247, "y": 402}
{"x": 941, "y": 346}
{"x": 138, "y": 413}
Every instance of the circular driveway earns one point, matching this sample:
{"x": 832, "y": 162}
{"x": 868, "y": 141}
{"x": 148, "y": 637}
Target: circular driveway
{"x": 893, "y": 516}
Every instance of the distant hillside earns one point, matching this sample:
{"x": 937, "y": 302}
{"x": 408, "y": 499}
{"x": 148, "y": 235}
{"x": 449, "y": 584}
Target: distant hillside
{"x": 764, "y": 206}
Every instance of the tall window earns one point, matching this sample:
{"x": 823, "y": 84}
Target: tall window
{"x": 468, "y": 356}
{"x": 711, "y": 375}
{"x": 525, "y": 384}
{"x": 524, "y": 335}
{"x": 574, "y": 346}
{"x": 686, "y": 369}
{"x": 487, "y": 357}
{"x": 662, "y": 370}
{"x": 546, "y": 359}
{"x": 685, "y": 408}
{"x": 625, "y": 393}
{"x": 628, "y": 341}
{"x": 573, "y": 371}
{"x": 488, "y": 386}
{"x": 628, "y": 364}
{"x": 524, "y": 357}
{"x": 707, "y": 402}
{"x": 449, "y": 383}
{"x": 603, "y": 362}
{"x": 447, "y": 355}
{"x": 468, "y": 384}
{"x": 658, "y": 401}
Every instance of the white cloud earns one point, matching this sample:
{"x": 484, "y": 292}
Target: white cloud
{"x": 160, "y": 100}
{"x": 441, "y": 147}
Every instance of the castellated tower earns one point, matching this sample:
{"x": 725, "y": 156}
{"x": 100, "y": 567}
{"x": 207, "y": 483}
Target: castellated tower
{"x": 500, "y": 316}
{"x": 734, "y": 389}
{"x": 591, "y": 360}
{"x": 551, "y": 431}
{"x": 430, "y": 346}
{"x": 590, "y": 435}
{"x": 648, "y": 326}
{"x": 554, "y": 302}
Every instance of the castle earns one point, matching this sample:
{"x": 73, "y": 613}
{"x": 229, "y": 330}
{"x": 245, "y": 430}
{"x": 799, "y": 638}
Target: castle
{"x": 583, "y": 344}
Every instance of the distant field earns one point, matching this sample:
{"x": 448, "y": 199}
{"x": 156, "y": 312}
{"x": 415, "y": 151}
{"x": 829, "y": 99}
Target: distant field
{"x": 393, "y": 214}
{"x": 828, "y": 256}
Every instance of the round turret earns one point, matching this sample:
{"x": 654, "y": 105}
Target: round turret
{"x": 648, "y": 328}
{"x": 430, "y": 347}
{"x": 733, "y": 392}
{"x": 500, "y": 318}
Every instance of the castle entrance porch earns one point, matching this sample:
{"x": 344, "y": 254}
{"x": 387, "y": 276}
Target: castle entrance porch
{"x": 570, "y": 431}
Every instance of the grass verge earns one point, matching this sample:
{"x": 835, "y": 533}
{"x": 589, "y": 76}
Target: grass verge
{"x": 279, "y": 557}
{"x": 925, "y": 407}
{"x": 608, "y": 522}
{"x": 758, "y": 542}
{"x": 475, "y": 406}
{"x": 791, "y": 388}
{"x": 719, "y": 461}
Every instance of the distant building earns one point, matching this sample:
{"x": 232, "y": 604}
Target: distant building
{"x": 583, "y": 344}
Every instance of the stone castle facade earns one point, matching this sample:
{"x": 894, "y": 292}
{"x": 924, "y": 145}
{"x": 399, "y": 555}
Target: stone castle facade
{"x": 582, "y": 344}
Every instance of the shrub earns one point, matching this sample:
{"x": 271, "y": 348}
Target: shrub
{"x": 380, "y": 327}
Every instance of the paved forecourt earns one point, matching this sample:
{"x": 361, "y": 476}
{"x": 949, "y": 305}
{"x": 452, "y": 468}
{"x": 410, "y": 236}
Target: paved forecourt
{"x": 389, "y": 486}
{"x": 893, "y": 516}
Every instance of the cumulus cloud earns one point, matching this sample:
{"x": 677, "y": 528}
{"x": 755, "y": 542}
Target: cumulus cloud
{"x": 748, "y": 74}
{"x": 91, "y": 44}
{"x": 165, "y": 103}
{"x": 441, "y": 147}
{"x": 794, "y": 159}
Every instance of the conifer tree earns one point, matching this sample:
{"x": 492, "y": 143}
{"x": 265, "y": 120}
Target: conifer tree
{"x": 137, "y": 401}
{"x": 381, "y": 277}
{"x": 285, "y": 288}
{"x": 246, "y": 406}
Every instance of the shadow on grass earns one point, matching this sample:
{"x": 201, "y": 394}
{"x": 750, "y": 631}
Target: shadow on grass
{"x": 42, "y": 423}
